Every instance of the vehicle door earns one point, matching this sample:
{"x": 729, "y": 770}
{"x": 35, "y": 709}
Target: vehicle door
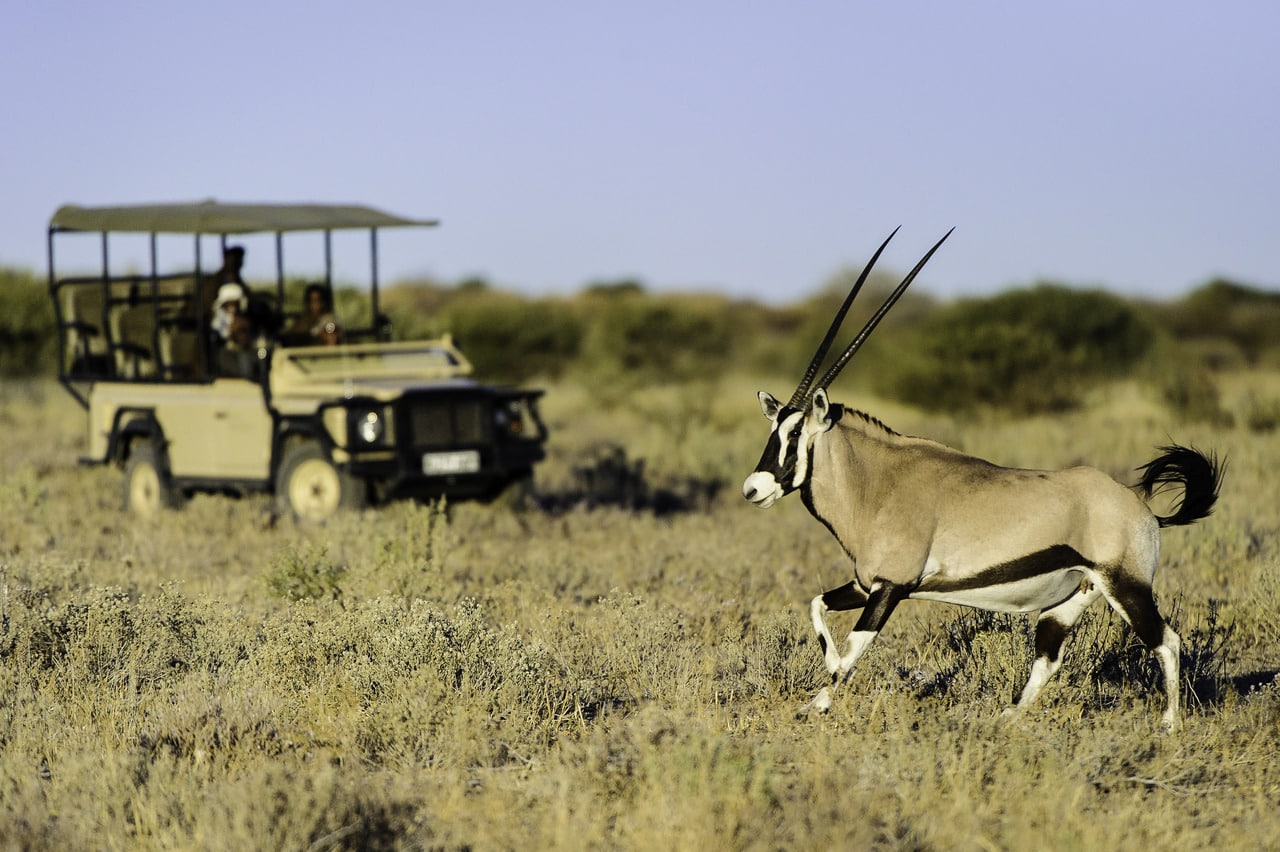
{"x": 220, "y": 431}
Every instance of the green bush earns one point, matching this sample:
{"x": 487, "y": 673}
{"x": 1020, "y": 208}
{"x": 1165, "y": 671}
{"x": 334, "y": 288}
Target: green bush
{"x": 1194, "y": 395}
{"x": 783, "y": 339}
{"x": 613, "y": 334}
{"x": 1024, "y": 351}
{"x": 308, "y": 574}
{"x": 1262, "y": 414}
{"x": 634, "y": 339}
{"x": 416, "y": 309}
{"x": 28, "y": 343}
{"x": 1226, "y": 311}
{"x": 509, "y": 338}
{"x": 505, "y": 336}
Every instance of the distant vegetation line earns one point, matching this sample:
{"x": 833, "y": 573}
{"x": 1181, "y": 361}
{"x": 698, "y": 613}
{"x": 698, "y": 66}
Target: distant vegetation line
{"x": 1023, "y": 350}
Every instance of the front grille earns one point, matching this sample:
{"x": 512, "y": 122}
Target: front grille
{"x": 446, "y": 422}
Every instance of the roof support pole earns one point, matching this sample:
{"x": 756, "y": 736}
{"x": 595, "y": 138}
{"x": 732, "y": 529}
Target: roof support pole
{"x": 106, "y": 302}
{"x": 202, "y": 321}
{"x": 328, "y": 259}
{"x": 155, "y": 314}
{"x": 280, "y": 271}
{"x": 373, "y": 283}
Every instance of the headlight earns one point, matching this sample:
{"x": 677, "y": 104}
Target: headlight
{"x": 368, "y": 426}
{"x": 509, "y": 417}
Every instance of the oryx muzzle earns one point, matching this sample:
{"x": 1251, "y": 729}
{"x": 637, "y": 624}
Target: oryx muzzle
{"x": 921, "y": 520}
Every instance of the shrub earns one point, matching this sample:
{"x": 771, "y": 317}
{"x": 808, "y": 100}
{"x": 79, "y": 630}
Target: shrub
{"x": 509, "y": 338}
{"x": 1194, "y": 396}
{"x": 1262, "y": 414}
{"x": 633, "y": 339}
{"x": 27, "y": 330}
{"x": 791, "y": 334}
{"x": 1024, "y": 351}
{"x": 1224, "y": 310}
{"x": 305, "y": 575}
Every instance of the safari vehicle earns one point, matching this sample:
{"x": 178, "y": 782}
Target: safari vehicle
{"x": 322, "y": 427}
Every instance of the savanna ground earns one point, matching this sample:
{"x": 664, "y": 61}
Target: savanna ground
{"x": 609, "y": 676}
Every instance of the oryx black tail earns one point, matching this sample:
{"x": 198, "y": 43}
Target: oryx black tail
{"x": 1199, "y": 475}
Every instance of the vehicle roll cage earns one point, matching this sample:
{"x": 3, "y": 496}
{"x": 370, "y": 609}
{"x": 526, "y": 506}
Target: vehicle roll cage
{"x": 93, "y": 343}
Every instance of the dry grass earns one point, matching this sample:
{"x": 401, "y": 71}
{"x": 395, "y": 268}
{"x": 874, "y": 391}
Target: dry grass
{"x": 605, "y": 678}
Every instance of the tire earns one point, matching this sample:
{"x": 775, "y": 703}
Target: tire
{"x": 311, "y": 488}
{"x": 148, "y": 488}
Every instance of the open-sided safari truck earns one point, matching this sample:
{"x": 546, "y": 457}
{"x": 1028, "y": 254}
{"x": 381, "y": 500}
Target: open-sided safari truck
{"x": 322, "y": 427}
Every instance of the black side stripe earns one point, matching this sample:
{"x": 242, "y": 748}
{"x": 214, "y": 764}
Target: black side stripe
{"x": 1047, "y": 561}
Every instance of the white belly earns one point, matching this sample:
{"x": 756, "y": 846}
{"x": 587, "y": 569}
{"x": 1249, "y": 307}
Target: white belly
{"x": 1023, "y": 595}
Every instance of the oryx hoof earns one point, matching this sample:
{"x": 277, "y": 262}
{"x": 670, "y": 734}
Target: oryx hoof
{"x": 819, "y": 705}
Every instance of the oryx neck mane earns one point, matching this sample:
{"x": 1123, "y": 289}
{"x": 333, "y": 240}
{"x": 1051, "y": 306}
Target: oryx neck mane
{"x": 852, "y": 418}
{"x": 865, "y": 441}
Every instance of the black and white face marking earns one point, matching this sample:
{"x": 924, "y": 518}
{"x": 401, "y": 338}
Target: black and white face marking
{"x": 784, "y": 465}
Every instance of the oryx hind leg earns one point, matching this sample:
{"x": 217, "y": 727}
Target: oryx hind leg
{"x": 1053, "y": 627}
{"x": 1132, "y": 598}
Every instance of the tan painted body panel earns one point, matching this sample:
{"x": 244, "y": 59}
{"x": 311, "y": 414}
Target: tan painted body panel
{"x": 220, "y": 430}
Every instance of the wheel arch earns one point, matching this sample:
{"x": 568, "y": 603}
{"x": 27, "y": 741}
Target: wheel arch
{"x": 308, "y": 483}
{"x": 130, "y": 425}
{"x": 293, "y": 430}
{"x": 141, "y": 449}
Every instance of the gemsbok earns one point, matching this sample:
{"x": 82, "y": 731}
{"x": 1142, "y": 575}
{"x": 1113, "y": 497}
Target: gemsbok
{"x": 922, "y": 520}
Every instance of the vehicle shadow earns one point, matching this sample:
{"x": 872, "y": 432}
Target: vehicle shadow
{"x": 609, "y": 479}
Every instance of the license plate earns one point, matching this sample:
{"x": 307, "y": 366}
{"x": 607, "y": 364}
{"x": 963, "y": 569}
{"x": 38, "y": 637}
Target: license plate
{"x": 445, "y": 464}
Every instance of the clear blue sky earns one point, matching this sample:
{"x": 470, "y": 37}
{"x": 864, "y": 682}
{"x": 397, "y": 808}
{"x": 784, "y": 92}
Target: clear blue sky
{"x": 750, "y": 148}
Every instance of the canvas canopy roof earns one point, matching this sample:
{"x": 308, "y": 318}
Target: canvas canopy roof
{"x": 213, "y": 217}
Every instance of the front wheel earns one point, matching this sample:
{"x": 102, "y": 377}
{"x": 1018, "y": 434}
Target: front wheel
{"x": 312, "y": 488}
{"x": 148, "y": 488}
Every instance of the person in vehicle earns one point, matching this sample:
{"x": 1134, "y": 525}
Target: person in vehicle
{"x": 229, "y": 273}
{"x": 316, "y": 325}
{"x": 236, "y": 352}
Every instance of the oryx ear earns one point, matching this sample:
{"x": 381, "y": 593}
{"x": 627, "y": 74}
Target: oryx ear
{"x": 769, "y": 405}
{"x": 821, "y": 405}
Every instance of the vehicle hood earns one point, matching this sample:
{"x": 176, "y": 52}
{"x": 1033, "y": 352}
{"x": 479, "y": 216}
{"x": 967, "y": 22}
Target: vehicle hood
{"x": 366, "y": 369}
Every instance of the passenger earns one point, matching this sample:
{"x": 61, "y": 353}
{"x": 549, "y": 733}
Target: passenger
{"x": 316, "y": 325}
{"x": 232, "y": 263}
{"x": 234, "y": 333}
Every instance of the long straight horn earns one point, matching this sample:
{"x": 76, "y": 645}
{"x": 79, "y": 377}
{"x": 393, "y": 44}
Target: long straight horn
{"x": 878, "y": 315}
{"x": 802, "y": 390}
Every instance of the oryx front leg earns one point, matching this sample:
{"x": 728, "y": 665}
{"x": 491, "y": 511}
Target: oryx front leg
{"x": 848, "y": 596}
{"x": 818, "y": 608}
{"x": 879, "y": 605}
{"x": 818, "y": 613}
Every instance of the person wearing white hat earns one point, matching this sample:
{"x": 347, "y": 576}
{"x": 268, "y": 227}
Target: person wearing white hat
{"x": 229, "y": 319}
{"x": 234, "y": 333}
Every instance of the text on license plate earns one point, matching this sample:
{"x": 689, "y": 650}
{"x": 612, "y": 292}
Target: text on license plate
{"x": 458, "y": 461}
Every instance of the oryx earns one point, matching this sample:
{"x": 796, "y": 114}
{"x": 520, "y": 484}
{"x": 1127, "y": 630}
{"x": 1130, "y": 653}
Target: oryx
{"x": 922, "y": 520}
